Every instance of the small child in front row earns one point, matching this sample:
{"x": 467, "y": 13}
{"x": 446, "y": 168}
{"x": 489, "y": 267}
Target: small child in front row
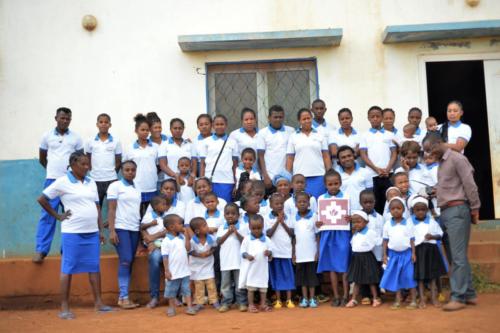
{"x": 429, "y": 265}
{"x": 363, "y": 269}
{"x": 201, "y": 263}
{"x": 247, "y": 164}
{"x": 229, "y": 238}
{"x": 256, "y": 252}
{"x": 174, "y": 250}
{"x": 186, "y": 192}
{"x": 213, "y": 215}
{"x": 279, "y": 229}
{"x": 305, "y": 250}
{"x": 399, "y": 254}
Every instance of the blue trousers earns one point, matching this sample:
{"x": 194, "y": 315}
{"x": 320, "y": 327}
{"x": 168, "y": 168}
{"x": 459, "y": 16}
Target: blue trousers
{"x": 46, "y": 225}
{"x": 224, "y": 191}
{"x": 125, "y": 248}
{"x": 155, "y": 263}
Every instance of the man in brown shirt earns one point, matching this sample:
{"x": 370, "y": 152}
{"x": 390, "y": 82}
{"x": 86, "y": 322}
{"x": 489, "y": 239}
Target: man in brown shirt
{"x": 458, "y": 198}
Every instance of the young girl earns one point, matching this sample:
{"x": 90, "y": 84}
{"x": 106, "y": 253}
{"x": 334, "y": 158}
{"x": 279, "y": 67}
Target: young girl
{"x": 195, "y": 207}
{"x": 399, "y": 254}
{"x": 305, "y": 250}
{"x": 279, "y": 229}
{"x": 186, "y": 192}
{"x": 144, "y": 153}
{"x": 219, "y": 159}
{"x": 429, "y": 265}
{"x": 363, "y": 269}
{"x": 204, "y": 124}
{"x": 401, "y": 189}
{"x": 248, "y": 166}
{"x": 418, "y": 174}
{"x": 334, "y": 245}
{"x": 256, "y": 252}
{"x": 298, "y": 185}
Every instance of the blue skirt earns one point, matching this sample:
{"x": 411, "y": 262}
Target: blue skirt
{"x": 281, "y": 274}
{"x": 224, "y": 191}
{"x": 399, "y": 272}
{"x": 315, "y": 186}
{"x": 80, "y": 253}
{"x": 334, "y": 251}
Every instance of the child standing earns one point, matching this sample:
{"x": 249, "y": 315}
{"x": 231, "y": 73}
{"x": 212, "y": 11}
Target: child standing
{"x": 399, "y": 254}
{"x": 186, "y": 192}
{"x": 174, "y": 250}
{"x": 298, "y": 185}
{"x": 334, "y": 245}
{"x": 229, "y": 238}
{"x": 204, "y": 124}
{"x": 401, "y": 184}
{"x": 213, "y": 216}
{"x": 305, "y": 250}
{"x": 247, "y": 164}
{"x": 429, "y": 265}
{"x": 201, "y": 263}
{"x": 256, "y": 251}
{"x": 279, "y": 230}
{"x": 363, "y": 269}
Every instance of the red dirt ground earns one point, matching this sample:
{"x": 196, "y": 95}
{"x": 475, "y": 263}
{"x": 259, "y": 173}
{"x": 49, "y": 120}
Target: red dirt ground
{"x": 481, "y": 318}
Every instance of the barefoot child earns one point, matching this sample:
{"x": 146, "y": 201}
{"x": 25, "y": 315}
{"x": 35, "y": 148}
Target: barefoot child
{"x": 279, "y": 230}
{"x": 256, "y": 252}
{"x": 363, "y": 269}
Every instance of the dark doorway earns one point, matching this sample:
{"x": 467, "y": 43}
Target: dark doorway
{"x": 464, "y": 81}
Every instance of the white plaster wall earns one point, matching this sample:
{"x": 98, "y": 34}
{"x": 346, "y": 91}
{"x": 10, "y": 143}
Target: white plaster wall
{"x": 132, "y": 63}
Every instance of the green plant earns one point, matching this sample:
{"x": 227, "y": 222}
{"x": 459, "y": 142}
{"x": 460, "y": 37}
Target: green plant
{"x": 481, "y": 282}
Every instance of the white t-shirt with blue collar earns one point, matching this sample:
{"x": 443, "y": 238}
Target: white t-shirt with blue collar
{"x": 281, "y": 239}
{"x": 128, "y": 204}
{"x": 339, "y": 138}
{"x": 195, "y": 208}
{"x": 202, "y": 268}
{"x": 255, "y": 273}
{"x": 365, "y": 240}
{"x": 304, "y": 228}
{"x": 378, "y": 143}
{"x": 352, "y": 184}
{"x": 230, "y": 256}
{"x": 273, "y": 142}
{"x": 103, "y": 155}
{"x": 215, "y": 220}
{"x": 398, "y": 235}
{"x": 209, "y": 151}
{"x": 146, "y": 159}
{"x": 78, "y": 197}
{"x": 171, "y": 151}
{"x": 177, "y": 207}
{"x": 291, "y": 208}
{"x": 254, "y": 174}
{"x": 308, "y": 153}
{"x": 457, "y": 131}
{"x": 427, "y": 226}
{"x": 325, "y": 128}
{"x": 59, "y": 147}
{"x": 419, "y": 177}
{"x": 174, "y": 247}
{"x": 243, "y": 140}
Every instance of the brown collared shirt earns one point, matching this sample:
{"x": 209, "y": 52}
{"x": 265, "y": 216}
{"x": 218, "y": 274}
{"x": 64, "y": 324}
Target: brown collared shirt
{"x": 456, "y": 180}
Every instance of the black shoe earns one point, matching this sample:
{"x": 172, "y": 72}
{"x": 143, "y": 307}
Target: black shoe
{"x": 336, "y": 302}
{"x": 38, "y": 258}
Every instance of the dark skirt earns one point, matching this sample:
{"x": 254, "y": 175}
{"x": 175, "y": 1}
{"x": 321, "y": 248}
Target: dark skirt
{"x": 80, "y": 253}
{"x": 305, "y": 274}
{"x": 281, "y": 274}
{"x": 429, "y": 263}
{"x": 364, "y": 268}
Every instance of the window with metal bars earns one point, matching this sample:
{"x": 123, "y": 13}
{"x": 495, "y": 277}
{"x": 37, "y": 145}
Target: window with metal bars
{"x": 293, "y": 84}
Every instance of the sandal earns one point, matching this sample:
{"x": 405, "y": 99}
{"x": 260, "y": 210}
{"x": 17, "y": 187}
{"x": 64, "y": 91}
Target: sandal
{"x": 266, "y": 308}
{"x": 127, "y": 304}
{"x": 153, "y": 303}
{"x": 395, "y": 306}
{"x": 253, "y": 309}
{"x": 191, "y": 311}
{"x": 412, "y": 306}
{"x": 170, "y": 312}
{"x": 376, "y": 302}
{"x": 352, "y": 303}
{"x": 104, "y": 309}
{"x": 66, "y": 315}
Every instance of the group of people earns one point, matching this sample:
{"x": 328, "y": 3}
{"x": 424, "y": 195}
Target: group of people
{"x": 229, "y": 214}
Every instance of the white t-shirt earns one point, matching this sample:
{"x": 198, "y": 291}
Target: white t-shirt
{"x": 352, "y": 184}
{"x": 151, "y": 216}
{"x": 197, "y": 143}
{"x": 378, "y": 144}
{"x": 398, "y": 234}
{"x": 255, "y": 273}
{"x": 325, "y": 129}
{"x": 103, "y": 155}
{"x": 195, "y": 208}
{"x": 186, "y": 193}
{"x": 59, "y": 148}
{"x": 173, "y": 152}
{"x": 128, "y": 205}
{"x": 427, "y": 226}
{"x": 339, "y": 138}
{"x": 243, "y": 140}
{"x": 291, "y": 208}
{"x": 305, "y": 237}
{"x": 216, "y": 220}
{"x": 202, "y": 268}
{"x": 419, "y": 178}
{"x": 308, "y": 151}
{"x": 78, "y": 197}
{"x": 209, "y": 151}
{"x": 177, "y": 207}
{"x": 254, "y": 174}
{"x": 457, "y": 131}
{"x": 230, "y": 256}
{"x": 146, "y": 159}
{"x": 274, "y": 145}
{"x": 174, "y": 247}
{"x": 365, "y": 240}
{"x": 282, "y": 241}
{"x": 376, "y": 223}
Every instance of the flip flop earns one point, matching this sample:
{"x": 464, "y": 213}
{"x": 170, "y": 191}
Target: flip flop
{"x": 105, "y": 309}
{"x": 253, "y": 309}
{"x": 66, "y": 315}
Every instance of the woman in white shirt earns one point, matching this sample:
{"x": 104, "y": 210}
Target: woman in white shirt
{"x": 81, "y": 229}
{"x": 307, "y": 154}
{"x": 246, "y": 135}
{"x": 454, "y": 132}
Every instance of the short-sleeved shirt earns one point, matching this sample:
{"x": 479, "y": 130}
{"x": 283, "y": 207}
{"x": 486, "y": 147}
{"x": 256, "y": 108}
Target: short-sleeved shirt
{"x": 378, "y": 144}
{"x": 210, "y": 149}
{"x": 103, "y": 157}
{"x": 195, "y": 208}
{"x": 305, "y": 230}
{"x": 398, "y": 234}
{"x": 151, "y": 216}
{"x": 202, "y": 268}
{"x": 291, "y": 208}
{"x": 376, "y": 223}
{"x": 457, "y": 131}
{"x": 325, "y": 128}
{"x": 352, "y": 184}
{"x": 365, "y": 240}
{"x": 427, "y": 226}
{"x": 308, "y": 153}
{"x": 59, "y": 147}
{"x": 174, "y": 247}
{"x": 177, "y": 207}
{"x": 173, "y": 152}
{"x": 186, "y": 192}
{"x": 281, "y": 239}
{"x": 128, "y": 204}
{"x": 273, "y": 142}
{"x": 197, "y": 143}
{"x": 254, "y": 174}
{"x": 419, "y": 177}
{"x": 230, "y": 256}
{"x": 146, "y": 159}
{"x": 255, "y": 273}
{"x": 243, "y": 140}
{"x": 339, "y": 138}
{"x": 215, "y": 220}
{"x": 78, "y": 197}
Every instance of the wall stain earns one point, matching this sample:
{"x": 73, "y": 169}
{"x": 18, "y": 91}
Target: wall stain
{"x": 442, "y": 45}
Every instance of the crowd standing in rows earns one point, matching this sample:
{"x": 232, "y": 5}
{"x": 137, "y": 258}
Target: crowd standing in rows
{"x": 227, "y": 215}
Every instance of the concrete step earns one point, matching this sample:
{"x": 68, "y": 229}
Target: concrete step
{"x": 484, "y": 250}
{"x": 485, "y": 235}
